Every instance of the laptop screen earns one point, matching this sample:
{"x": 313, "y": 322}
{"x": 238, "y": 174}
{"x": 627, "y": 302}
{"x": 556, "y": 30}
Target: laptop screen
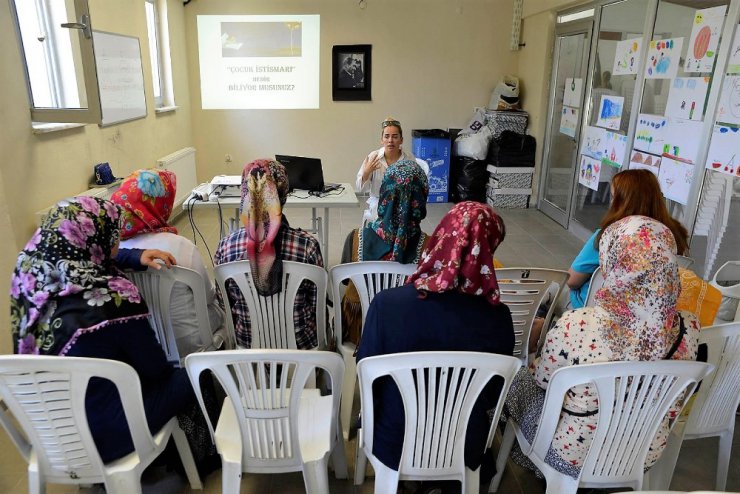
{"x": 303, "y": 173}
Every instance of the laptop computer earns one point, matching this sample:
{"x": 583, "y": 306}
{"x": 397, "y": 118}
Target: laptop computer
{"x": 303, "y": 173}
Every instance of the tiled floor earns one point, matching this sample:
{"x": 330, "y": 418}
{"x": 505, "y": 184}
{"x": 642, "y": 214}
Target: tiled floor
{"x": 532, "y": 240}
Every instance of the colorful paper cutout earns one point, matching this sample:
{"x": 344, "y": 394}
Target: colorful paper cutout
{"x": 649, "y": 133}
{"x": 610, "y": 112}
{"x": 573, "y": 92}
{"x": 568, "y": 121}
{"x": 589, "y": 173}
{"x": 724, "y": 150}
{"x": 705, "y": 33}
{"x": 675, "y": 179}
{"x": 627, "y": 56}
{"x": 645, "y": 161}
{"x": 686, "y": 98}
{"x": 728, "y": 110}
{"x": 733, "y": 66}
{"x": 663, "y": 58}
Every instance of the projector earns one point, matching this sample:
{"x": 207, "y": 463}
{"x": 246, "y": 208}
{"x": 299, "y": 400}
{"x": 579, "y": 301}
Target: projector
{"x": 225, "y": 186}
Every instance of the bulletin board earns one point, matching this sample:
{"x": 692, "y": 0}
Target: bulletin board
{"x": 120, "y": 77}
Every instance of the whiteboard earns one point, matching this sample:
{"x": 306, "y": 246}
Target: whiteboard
{"x": 120, "y": 77}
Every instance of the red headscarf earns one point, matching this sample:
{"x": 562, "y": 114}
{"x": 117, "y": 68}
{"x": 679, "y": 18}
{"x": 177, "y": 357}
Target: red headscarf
{"x": 146, "y": 197}
{"x": 460, "y": 253}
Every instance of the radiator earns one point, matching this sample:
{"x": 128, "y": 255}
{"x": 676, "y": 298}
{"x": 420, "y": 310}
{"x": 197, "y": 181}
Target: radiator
{"x": 181, "y": 162}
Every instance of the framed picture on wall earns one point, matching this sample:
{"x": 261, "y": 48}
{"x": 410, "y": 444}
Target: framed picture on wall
{"x": 351, "y": 73}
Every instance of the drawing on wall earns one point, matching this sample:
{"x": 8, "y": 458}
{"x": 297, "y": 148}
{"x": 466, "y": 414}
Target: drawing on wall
{"x": 592, "y": 142}
{"x": 662, "y": 58}
{"x": 627, "y": 56}
{"x": 615, "y": 147}
{"x": 705, "y": 33}
{"x": 675, "y": 179}
{"x": 649, "y": 133}
{"x": 686, "y": 98}
{"x": 724, "y": 150}
{"x": 610, "y": 112}
{"x": 573, "y": 91}
{"x": 645, "y": 161}
{"x": 728, "y": 110}
{"x": 681, "y": 141}
{"x": 733, "y": 66}
{"x": 568, "y": 121}
{"x": 590, "y": 173}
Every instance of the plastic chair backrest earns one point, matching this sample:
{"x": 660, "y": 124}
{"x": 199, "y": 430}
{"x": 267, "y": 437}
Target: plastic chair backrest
{"x": 522, "y": 290}
{"x": 369, "y": 278}
{"x": 717, "y": 400}
{"x": 156, "y": 287}
{"x": 684, "y": 262}
{"x": 728, "y": 272}
{"x": 438, "y": 390}
{"x": 597, "y": 281}
{"x": 46, "y": 395}
{"x": 634, "y": 398}
{"x": 271, "y": 318}
{"x": 265, "y": 387}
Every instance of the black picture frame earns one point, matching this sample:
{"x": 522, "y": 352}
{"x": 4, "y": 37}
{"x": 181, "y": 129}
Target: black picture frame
{"x": 351, "y": 78}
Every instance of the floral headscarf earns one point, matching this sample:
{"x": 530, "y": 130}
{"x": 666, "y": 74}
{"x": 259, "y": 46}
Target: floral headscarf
{"x": 146, "y": 197}
{"x": 64, "y": 283}
{"x": 460, "y": 253}
{"x": 403, "y": 204}
{"x": 641, "y": 287}
{"x": 261, "y": 214}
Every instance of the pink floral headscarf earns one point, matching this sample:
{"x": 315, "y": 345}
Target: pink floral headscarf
{"x": 147, "y": 197}
{"x": 459, "y": 255}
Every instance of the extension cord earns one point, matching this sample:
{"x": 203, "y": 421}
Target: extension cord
{"x": 201, "y": 191}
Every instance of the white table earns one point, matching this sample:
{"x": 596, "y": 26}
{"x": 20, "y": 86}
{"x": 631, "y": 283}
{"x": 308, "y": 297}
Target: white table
{"x": 344, "y": 197}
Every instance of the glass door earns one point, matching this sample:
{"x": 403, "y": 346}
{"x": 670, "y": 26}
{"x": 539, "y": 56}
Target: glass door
{"x": 570, "y": 64}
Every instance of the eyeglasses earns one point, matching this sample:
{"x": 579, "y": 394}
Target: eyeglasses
{"x": 390, "y": 123}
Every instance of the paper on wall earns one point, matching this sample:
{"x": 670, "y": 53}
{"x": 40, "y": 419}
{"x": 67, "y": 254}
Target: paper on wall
{"x": 645, "y": 161}
{"x": 728, "y": 110}
{"x": 682, "y": 139}
{"x": 649, "y": 133}
{"x": 733, "y": 66}
{"x": 675, "y": 179}
{"x": 589, "y": 173}
{"x": 627, "y": 56}
{"x": 615, "y": 147}
{"x": 686, "y": 98}
{"x": 592, "y": 142}
{"x": 573, "y": 91}
{"x": 662, "y": 58}
{"x": 724, "y": 150}
{"x": 568, "y": 121}
{"x": 705, "y": 33}
{"x": 610, "y": 112}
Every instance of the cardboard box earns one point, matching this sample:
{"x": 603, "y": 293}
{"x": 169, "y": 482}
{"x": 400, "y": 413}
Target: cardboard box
{"x": 434, "y": 147}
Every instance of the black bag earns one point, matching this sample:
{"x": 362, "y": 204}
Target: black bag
{"x": 468, "y": 178}
{"x": 512, "y": 149}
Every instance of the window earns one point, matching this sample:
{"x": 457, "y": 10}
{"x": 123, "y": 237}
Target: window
{"x": 56, "y": 44}
{"x": 159, "y": 53}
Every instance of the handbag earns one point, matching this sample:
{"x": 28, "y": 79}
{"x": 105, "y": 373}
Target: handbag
{"x": 103, "y": 174}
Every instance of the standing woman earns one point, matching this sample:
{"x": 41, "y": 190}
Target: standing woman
{"x": 147, "y": 197}
{"x": 372, "y": 170}
{"x": 68, "y": 297}
{"x": 634, "y": 192}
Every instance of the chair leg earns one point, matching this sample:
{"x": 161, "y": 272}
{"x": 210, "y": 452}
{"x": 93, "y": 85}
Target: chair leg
{"x": 561, "y": 484}
{"x": 723, "y": 460}
{"x": 316, "y": 477}
{"x": 471, "y": 481}
{"x": 348, "y": 396}
{"x": 659, "y": 476}
{"x": 360, "y": 461}
{"x": 386, "y": 480}
{"x": 186, "y": 456}
{"x": 36, "y": 483}
{"x": 231, "y": 477}
{"x": 123, "y": 483}
{"x": 507, "y": 442}
{"x": 339, "y": 456}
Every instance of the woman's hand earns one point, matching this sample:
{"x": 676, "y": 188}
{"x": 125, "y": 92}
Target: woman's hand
{"x": 149, "y": 258}
{"x": 371, "y": 163}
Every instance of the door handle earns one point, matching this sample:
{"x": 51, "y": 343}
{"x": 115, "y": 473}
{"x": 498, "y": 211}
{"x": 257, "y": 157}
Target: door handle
{"x": 84, "y": 25}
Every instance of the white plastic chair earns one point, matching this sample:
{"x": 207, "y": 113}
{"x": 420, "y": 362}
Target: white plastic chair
{"x": 634, "y": 398}
{"x": 46, "y": 396}
{"x": 438, "y": 390}
{"x": 684, "y": 262}
{"x": 713, "y": 411}
{"x": 728, "y": 272}
{"x": 156, "y": 287}
{"x": 271, "y": 318}
{"x": 269, "y": 422}
{"x": 369, "y": 278}
{"x": 597, "y": 281}
{"x": 523, "y": 290}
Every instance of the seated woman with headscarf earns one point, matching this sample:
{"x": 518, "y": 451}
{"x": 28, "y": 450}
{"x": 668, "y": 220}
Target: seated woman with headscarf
{"x": 68, "y": 297}
{"x": 266, "y": 240}
{"x": 451, "y": 303}
{"x": 394, "y": 236}
{"x": 634, "y": 318}
{"x": 146, "y": 197}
